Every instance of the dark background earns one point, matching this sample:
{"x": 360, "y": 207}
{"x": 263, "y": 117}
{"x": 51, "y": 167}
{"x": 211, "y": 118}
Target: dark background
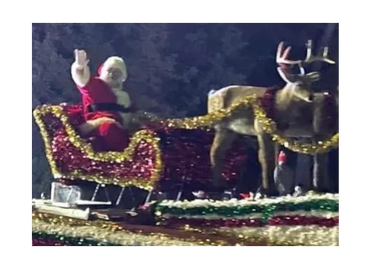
{"x": 172, "y": 67}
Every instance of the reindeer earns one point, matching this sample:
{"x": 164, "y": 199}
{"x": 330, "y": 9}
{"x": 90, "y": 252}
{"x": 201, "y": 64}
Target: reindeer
{"x": 295, "y": 107}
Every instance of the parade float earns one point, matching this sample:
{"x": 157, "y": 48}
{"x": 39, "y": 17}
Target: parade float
{"x": 171, "y": 155}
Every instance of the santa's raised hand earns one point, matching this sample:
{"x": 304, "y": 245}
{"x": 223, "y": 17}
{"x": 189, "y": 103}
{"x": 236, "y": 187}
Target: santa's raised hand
{"x": 81, "y": 58}
{"x": 80, "y": 70}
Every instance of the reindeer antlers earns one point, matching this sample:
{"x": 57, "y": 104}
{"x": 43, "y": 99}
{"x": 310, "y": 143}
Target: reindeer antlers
{"x": 323, "y": 58}
{"x": 281, "y": 57}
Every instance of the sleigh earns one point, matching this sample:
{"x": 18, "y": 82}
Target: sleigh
{"x": 163, "y": 155}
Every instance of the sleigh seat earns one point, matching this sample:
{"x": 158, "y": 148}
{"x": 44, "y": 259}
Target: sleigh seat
{"x": 163, "y": 155}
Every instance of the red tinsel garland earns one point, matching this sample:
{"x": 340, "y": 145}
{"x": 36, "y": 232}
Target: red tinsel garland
{"x": 257, "y": 222}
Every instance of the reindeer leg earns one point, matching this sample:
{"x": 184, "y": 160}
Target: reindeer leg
{"x": 320, "y": 172}
{"x": 277, "y": 150}
{"x": 221, "y": 142}
{"x": 266, "y": 158}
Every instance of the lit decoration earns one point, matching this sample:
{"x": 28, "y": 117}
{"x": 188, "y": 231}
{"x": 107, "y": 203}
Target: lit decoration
{"x": 51, "y": 241}
{"x": 311, "y": 235}
{"x": 49, "y": 230}
{"x": 306, "y": 220}
{"x": 103, "y": 234}
{"x": 61, "y": 231}
{"x": 291, "y": 220}
{"x": 234, "y": 207}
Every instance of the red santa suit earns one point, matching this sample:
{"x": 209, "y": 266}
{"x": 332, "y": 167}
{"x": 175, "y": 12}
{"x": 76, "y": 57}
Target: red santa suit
{"x": 100, "y": 100}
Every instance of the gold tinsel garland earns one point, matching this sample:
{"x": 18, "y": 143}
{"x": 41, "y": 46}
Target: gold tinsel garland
{"x": 110, "y": 232}
{"x": 103, "y": 231}
{"x": 114, "y": 233}
{"x": 86, "y": 149}
{"x": 207, "y": 122}
{"x": 311, "y": 235}
{"x": 268, "y": 125}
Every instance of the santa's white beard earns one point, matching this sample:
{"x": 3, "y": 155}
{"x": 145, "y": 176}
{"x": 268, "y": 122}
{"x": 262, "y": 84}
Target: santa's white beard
{"x": 116, "y": 84}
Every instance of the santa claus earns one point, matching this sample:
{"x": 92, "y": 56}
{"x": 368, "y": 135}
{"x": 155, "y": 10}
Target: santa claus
{"x": 107, "y": 107}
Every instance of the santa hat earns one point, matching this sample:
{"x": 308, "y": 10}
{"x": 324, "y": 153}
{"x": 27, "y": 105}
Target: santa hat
{"x": 115, "y": 62}
{"x": 282, "y": 157}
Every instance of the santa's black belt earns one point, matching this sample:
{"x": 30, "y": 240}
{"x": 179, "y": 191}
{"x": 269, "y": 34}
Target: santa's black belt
{"x": 108, "y": 107}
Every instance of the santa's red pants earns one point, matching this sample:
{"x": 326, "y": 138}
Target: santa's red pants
{"x": 109, "y": 137}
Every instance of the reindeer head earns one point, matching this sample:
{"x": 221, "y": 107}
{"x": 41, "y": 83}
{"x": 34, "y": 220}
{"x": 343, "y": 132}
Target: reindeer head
{"x": 299, "y": 84}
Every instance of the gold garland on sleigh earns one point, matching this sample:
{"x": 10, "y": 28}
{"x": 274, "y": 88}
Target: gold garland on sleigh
{"x": 207, "y": 121}
{"x": 143, "y": 136}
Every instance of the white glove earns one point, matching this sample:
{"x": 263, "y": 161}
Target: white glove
{"x": 81, "y": 58}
